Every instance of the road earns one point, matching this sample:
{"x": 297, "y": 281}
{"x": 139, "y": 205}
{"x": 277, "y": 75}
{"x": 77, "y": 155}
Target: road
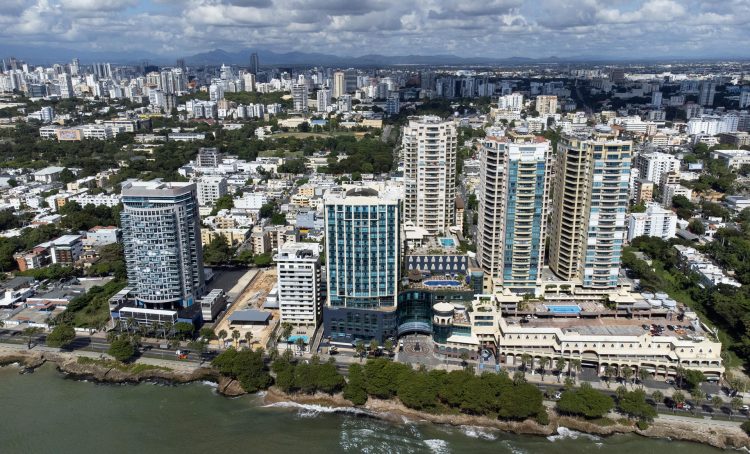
{"x": 150, "y": 349}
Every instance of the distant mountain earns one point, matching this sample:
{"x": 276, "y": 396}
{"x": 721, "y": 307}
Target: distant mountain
{"x": 42, "y": 55}
{"x": 219, "y": 56}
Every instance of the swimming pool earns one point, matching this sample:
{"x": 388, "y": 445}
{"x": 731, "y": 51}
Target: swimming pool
{"x": 564, "y": 309}
{"x": 447, "y": 242}
{"x": 293, "y": 339}
{"x": 442, "y": 283}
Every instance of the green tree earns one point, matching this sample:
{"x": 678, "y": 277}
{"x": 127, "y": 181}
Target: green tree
{"x": 716, "y": 402}
{"x": 30, "y": 333}
{"x": 121, "y": 348}
{"x": 696, "y": 226}
{"x": 586, "y": 402}
{"x": 184, "y": 330}
{"x": 217, "y": 251}
{"x": 735, "y": 404}
{"x": 658, "y": 396}
{"x": 356, "y": 389}
{"x": 634, "y": 404}
{"x": 559, "y": 367}
{"x": 627, "y": 373}
{"x": 223, "y": 335}
{"x": 225, "y": 202}
{"x": 247, "y": 366}
{"x": 262, "y": 260}
{"x": 61, "y": 336}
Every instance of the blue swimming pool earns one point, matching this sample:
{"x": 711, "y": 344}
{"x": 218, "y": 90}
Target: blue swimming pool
{"x": 565, "y": 309}
{"x": 447, "y": 242}
{"x": 442, "y": 283}
{"x": 293, "y": 339}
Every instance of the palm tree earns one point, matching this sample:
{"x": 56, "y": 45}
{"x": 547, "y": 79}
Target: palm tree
{"x": 286, "y": 332}
{"x": 609, "y": 372}
{"x": 374, "y": 345}
{"x": 464, "y": 356}
{"x": 698, "y": 395}
{"x": 168, "y": 329}
{"x": 735, "y": 404}
{"x": 30, "y": 333}
{"x": 620, "y": 392}
{"x": 678, "y": 397}
{"x": 518, "y": 377}
{"x": 388, "y": 345}
{"x": 559, "y": 366}
{"x": 569, "y": 383}
{"x": 300, "y": 343}
{"x": 248, "y": 337}
{"x": 716, "y": 402}
{"x": 658, "y": 397}
{"x": 543, "y": 363}
{"x": 627, "y": 373}
{"x": 360, "y": 349}
{"x": 643, "y": 375}
{"x": 131, "y": 323}
{"x": 526, "y": 362}
{"x": 223, "y": 335}
{"x": 577, "y": 367}
{"x": 236, "y": 336}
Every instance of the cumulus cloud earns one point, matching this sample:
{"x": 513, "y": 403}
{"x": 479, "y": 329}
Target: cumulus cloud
{"x": 496, "y": 28}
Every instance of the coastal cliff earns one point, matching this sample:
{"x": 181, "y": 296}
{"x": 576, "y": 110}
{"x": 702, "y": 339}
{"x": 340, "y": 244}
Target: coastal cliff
{"x": 107, "y": 371}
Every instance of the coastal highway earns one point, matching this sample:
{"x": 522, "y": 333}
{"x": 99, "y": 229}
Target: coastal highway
{"x": 93, "y": 344}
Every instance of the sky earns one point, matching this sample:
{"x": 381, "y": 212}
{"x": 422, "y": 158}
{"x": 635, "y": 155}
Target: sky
{"x": 628, "y": 29}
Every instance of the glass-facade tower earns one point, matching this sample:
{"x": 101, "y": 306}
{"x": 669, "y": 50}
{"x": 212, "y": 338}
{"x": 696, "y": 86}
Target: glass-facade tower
{"x": 513, "y": 198}
{"x": 363, "y": 249}
{"x": 162, "y": 243}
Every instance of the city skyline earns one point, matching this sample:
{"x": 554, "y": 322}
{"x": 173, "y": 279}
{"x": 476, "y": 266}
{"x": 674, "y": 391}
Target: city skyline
{"x": 500, "y": 29}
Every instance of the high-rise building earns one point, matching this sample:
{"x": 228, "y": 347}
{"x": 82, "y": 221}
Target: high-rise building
{"x": 324, "y": 99}
{"x": 299, "y": 284}
{"x": 590, "y": 200}
{"x": 513, "y": 195}
{"x": 299, "y": 97}
{"x": 339, "y": 84}
{"x": 363, "y": 263}
{"x": 392, "y": 104}
{"x": 656, "y": 98}
{"x": 208, "y": 157}
{"x": 546, "y": 105}
{"x": 249, "y": 81}
{"x": 707, "y": 93}
{"x": 161, "y": 237}
{"x": 429, "y": 150}
{"x": 66, "y": 86}
{"x": 254, "y": 63}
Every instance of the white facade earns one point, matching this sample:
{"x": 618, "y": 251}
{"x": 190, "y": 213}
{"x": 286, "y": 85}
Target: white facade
{"x": 655, "y": 221}
{"x": 429, "y": 148}
{"x": 210, "y": 188}
{"x": 671, "y": 190}
{"x": 652, "y": 166}
{"x": 299, "y": 283}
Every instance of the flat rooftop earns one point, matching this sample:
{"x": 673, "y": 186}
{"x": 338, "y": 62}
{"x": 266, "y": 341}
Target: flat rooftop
{"x": 610, "y": 326}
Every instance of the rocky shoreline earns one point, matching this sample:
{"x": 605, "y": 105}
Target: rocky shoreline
{"x": 724, "y": 437}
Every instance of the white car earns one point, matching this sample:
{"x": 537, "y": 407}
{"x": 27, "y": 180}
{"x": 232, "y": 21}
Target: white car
{"x": 745, "y": 408}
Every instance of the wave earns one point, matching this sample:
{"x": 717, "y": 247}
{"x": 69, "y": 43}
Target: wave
{"x": 513, "y": 449}
{"x": 312, "y": 410}
{"x": 564, "y": 432}
{"x": 481, "y": 433}
{"x": 438, "y": 446}
{"x": 210, "y": 384}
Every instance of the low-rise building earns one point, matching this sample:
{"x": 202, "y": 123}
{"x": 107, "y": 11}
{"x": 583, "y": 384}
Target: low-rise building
{"x": 655, "y": 221}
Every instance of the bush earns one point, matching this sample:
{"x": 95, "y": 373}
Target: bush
{"x": 586, "y": 402}
{"x": 246, "y": 366}
{"x": 642, "y": 424}
{"x": 61, "y": 336}
{"x": 355, "y": 389}
{"x": 121, "y": 349}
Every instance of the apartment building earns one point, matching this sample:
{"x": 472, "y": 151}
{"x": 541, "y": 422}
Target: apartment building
{"x": 429, "y": 156}
{"x": 513, "y": 196}
{"x": 589, "y": 207}
{"x": 300, "y": 294}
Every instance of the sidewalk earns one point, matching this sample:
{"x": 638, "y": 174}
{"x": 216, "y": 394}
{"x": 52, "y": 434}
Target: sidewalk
{"x": 182, "y": 366}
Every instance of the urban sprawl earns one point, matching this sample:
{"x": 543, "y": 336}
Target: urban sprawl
{"x": 584, "y": 217}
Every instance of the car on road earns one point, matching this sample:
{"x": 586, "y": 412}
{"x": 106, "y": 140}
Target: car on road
{"x": 745, "y": 408}
{"x": 669, "y": 381}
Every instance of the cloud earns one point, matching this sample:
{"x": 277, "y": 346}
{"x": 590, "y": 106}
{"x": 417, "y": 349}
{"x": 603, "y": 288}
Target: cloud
{"x": 496, "y": 28}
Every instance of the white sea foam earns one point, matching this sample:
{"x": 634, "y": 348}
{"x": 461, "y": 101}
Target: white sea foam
{"x": 438, "y": 446}
{"x": 311, "y": 410}
{"x": 513, "y": 449}
{"x": 478, "y": 432}
{"x": 564, "y": 432}
{"x": 210, "y": 384}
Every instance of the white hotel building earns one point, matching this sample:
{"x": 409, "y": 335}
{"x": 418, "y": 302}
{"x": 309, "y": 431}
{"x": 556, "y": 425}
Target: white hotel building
{"x": 299, "y": 283}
